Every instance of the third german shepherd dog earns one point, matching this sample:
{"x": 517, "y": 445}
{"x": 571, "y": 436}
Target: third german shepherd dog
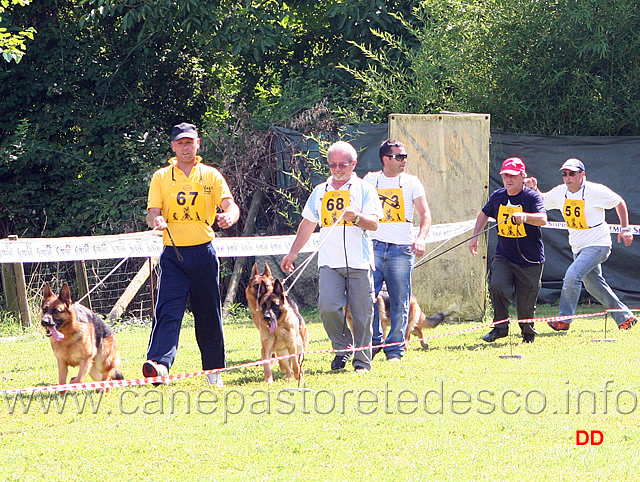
{"x": 417, "y": 319}
{"x": 79, "y": 337}
{"x": 282, "y": 328}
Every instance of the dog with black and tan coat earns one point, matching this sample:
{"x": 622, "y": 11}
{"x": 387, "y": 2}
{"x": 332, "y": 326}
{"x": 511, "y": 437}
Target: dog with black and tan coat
{"x": 282, "y": 329}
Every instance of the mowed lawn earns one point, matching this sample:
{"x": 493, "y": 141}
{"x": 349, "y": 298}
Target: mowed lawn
{"x": 457, "y": 411}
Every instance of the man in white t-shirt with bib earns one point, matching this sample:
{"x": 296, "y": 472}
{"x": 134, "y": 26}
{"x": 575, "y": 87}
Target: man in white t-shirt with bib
{"x": 347, "y": 210}
{"x": 395, "y": 246}
{"x": 583, "y": 206}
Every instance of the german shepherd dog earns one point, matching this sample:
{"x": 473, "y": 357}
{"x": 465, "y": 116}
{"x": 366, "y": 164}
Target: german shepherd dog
{"x": 417, "y": 319}
{"x": 259, "y": 286}
{"x": 79, "y": 337}
{"x": 282, "y": 328}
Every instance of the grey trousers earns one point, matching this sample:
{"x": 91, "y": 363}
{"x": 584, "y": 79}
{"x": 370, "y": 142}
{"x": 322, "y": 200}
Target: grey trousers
{"x": 331, "y": 301}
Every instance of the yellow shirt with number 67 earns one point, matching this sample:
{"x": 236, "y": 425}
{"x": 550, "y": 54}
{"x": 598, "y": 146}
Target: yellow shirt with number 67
{"x": 188, "y": 203}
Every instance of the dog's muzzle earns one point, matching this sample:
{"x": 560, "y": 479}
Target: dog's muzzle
{"x": 52, "y": 330}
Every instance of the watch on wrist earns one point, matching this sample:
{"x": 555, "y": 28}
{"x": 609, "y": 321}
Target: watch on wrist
{"x": 356, "y": 220}
{"x": 627, "y": 228}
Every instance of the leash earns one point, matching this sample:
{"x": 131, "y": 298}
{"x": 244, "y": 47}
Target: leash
{"x": 426, "y": 259}
{"x": 102, "y": 281}
{"x": 306, "y": 262}
{"x": 178, "y": 255}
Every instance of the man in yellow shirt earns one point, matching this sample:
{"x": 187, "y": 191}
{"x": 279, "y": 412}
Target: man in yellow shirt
{"x": 183, "y": 198}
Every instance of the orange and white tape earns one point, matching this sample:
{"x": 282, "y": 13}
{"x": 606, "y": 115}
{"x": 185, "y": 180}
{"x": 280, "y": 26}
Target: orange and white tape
{"x": 181, "y": 376}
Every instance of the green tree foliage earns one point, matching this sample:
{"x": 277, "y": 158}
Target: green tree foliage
{"x": 548, "y": 66}
{"x": 13, "y": 39}
{"x": 79, "y": 135}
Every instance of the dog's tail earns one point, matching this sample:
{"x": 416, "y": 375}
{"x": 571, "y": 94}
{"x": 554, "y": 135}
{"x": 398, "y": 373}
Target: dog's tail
{"x": 435, "y": 320}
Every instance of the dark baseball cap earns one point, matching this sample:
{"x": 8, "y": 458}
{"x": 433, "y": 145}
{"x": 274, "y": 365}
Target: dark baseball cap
{"x": 573, "y": 165}
{"x": 184, "y": 130}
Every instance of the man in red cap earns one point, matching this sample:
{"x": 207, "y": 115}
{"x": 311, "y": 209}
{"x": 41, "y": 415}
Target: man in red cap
{"x": 517, "y": 265}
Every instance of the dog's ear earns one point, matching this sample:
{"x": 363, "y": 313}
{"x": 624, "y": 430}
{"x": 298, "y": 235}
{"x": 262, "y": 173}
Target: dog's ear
{"x": 267, "y": 270}
{"x": 277, "y": 288}
{"x": 65, "y": 294}
{"x": 46, "y": 291}
{"x": 262, "y": 290}
{"x": 254, "y": 270}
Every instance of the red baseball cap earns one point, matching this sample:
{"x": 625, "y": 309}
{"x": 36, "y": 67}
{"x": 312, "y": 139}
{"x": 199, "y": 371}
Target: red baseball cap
{"x": 513, "y": 166}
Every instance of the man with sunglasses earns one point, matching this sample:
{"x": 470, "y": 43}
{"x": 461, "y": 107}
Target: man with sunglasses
{"x": 346, "y": 208}
{"x": 583, "y": 204}
{"x": 395, "y": 246}
{"x": 516, "y": 268}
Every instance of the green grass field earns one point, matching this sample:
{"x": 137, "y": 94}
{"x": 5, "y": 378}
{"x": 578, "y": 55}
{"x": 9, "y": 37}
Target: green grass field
{"x": 455, "y": 411}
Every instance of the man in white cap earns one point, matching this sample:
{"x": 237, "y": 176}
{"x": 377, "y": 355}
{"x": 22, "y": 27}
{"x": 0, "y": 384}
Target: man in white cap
{"x": 583, "y": 206}
{"x": 517, "y": 265}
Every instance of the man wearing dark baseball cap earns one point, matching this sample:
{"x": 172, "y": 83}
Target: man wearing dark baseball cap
{"x": 183, "y": 130}
{"x": 183, "y": 198}
{"x": 583, "y": 206}
{"x": 517, "y": 265}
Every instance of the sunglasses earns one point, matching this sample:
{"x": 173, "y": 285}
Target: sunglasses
{"x": 341, "y": 165}
{"x": 570, "y": 174}
{"x": 397, "y": 157}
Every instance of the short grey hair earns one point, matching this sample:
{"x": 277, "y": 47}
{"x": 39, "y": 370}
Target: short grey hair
{"x": 344, "y": 147}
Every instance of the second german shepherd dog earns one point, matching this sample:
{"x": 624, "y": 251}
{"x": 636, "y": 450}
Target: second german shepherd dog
{"x": 282, "y": 328}
{"x": 417, "y": 319}
{"x": 79, "y": 338}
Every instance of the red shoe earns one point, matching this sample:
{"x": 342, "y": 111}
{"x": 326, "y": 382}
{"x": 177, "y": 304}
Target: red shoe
{"x": 558, "y": 325}
{"x": 628, "y": 323}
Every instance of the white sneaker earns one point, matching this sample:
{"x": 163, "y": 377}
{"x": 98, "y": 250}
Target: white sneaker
{"x": 215, "y": 379}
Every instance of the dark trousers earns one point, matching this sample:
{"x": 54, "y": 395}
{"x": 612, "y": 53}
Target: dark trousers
{"x": 509, "y": 280}
{"x": 196, "y": 275}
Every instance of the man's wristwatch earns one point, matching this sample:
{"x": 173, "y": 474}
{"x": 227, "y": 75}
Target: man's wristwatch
{"x": 356, "y": 220}
{"x": 627, "y": 228}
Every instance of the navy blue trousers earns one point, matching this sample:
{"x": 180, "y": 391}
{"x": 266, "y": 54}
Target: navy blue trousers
{"x": 197, "y": 275}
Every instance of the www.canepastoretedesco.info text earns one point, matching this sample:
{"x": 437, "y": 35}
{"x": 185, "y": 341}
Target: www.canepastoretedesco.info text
{"x": 607, "y": 399}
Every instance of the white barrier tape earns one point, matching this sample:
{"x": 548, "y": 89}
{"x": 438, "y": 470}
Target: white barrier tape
{"x": 146, "y": 244}
{"x": 613, "y": 228}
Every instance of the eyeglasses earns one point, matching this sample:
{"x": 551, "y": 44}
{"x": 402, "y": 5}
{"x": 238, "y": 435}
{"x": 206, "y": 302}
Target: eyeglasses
{"x": 398, "y": 157}
{"x": 341, "y": 165}
{"x": 570, "y": 173}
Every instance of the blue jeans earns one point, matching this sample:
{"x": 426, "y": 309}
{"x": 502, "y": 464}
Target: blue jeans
{"x": 394, "y": 266}
{"x": 586, "y": 268}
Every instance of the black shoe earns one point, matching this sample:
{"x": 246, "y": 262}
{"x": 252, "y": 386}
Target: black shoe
{"x": 528, "y": 337}
{"x": 496, "y": 333}
{"x": 339, "y": 362}
{"x": 375, "y": 351}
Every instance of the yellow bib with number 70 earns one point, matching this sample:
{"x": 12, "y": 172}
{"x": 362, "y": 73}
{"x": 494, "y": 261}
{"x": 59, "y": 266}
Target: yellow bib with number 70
{"x": 333, "y": 204}
{"x": 509, "y": 229}
{"x": 573, "y": 214}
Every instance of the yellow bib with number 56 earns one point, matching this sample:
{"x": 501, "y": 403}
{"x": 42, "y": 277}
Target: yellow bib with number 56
{"x": 573, "y": 214}
{"x": 333, "y": 204}
{"x": 509, "y": 229}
